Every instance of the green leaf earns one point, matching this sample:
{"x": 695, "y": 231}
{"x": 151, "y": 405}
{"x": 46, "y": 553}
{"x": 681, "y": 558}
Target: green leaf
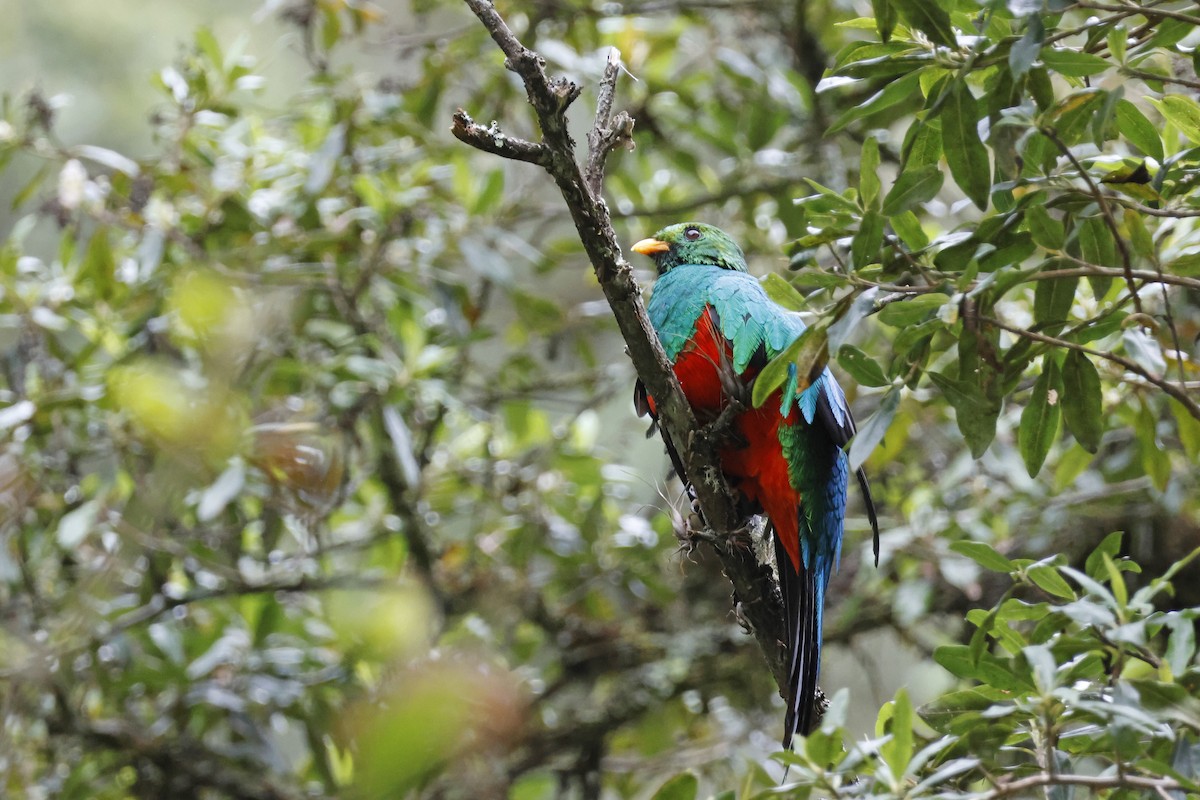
{"x": 947, "y": 713}
{"x": 861, "y": 367}
{"x": 1111, "y": 546}
{"x": 1053, "y": 298}
{"x": 993, "y": 672}
{"x": 1117, "y": 43}
{"x": 984, "y": 555}
{"x": 848, "y": 314}
{"x": 912, "y": 310}
{"x": 1041, "y": 418}
{"x": 922, "y": 144}
{"x": 782, "y": 292}
{"x": 1155, "y": 460}
{"x": 1116, "y": 580}
{"x": 1097, "y": 246}
{"x": 1186, "y": 265}
{"x": 897, "y": 752}
{"x": 32, "y": 186}
{"x": 1042, "y": 665}
{"x": 976, "y": 414}
{"x": 912, "y": 187}
{"x": 491, "y": 194}
{"x": 1102, "y": 120}
{"x": 964, "y": 150}
{"x": 1169, "y": 32}
{"x": 1189, "y": 430}
{"x": 868, "y": 174}
{"x": 866, "y": 244}
{"x": 1025, "y": 51}
{"x": 1048, "y": 578}
{"x": 1081, "y": 400}
{"x": 885, "y": 18}
{"x": 1073, "y": 63}
{"x": 828, "y": 196}
{"x": 908, "y": 228}
{"x": 892, "y": 94}
{"x": 1071, "y": 115}
{"x": 1181, "y": 647}
{"x": 1047, "y": 232}
{"x": 871, "y": 433}
{"x": 929, "y": 18}
{"x": 1183, "y": 112}
{"x": 207, "y": 43}
{"x": 1145, "y": 350}
{"x": 808, "y": 354}
{"x": 683, "y": 786}
{"x": 1070, "y": 466}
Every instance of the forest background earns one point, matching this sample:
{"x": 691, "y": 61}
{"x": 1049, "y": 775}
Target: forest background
{"x": 320, "y": 475}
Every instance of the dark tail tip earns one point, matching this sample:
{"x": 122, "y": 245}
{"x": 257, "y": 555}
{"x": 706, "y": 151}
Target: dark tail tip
{"x": 802, "y": 600}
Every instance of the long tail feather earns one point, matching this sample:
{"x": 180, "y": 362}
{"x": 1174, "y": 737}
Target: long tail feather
{"x": 803, "y": 600}
{"x": 866, "y": 490}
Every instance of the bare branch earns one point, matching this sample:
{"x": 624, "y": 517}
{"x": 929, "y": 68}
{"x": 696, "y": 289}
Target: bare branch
{"x": 607, "y": 133}
{"x": 492, "y": 140}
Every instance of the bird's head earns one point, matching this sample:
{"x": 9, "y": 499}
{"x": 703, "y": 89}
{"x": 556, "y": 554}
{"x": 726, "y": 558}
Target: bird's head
{"x": 692, "y": 243}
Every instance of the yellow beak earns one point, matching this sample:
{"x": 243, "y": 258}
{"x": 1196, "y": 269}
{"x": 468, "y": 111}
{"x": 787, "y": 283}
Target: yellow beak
{"x": 649, "y": 247}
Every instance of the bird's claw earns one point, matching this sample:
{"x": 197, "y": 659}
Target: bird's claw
{"x": 741, "y": 538}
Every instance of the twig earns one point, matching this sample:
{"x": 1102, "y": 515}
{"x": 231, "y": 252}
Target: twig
{"x": 1150, "y": 76}
{"x": 493, "y": 140}
{"x": 1087, "y": 269}
{"x": 1146, "y": 11}
{"x": 1173, "y": 389}
{"x": 1150, "y": 211}
{"x": 607, "y": 133}
{"x": 1009, "y": 788}
{"x": 1105, "y": 211}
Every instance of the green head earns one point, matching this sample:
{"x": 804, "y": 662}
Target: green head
{"x": 692, "y": 243}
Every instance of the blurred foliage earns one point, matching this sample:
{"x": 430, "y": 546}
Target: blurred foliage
{"x": 318, "y": 473}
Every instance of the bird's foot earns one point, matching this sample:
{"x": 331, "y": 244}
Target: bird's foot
{"x": 741, "y": 538}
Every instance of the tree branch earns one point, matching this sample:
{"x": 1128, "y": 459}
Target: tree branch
{"x": 607, "y": 133}
{"x": 1173, "y": 389}
{"x": 1120, "y": 781}
{"x": 1086, "y": 268}
{"x": 492, "y": 140}
{"x": 753, "y": 583}
{"x": 1147, "y": 11}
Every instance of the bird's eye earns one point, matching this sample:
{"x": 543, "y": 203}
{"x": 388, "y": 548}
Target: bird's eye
{"x": 692, "y": 234}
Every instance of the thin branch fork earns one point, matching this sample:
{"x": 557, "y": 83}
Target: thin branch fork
{"x": 1175, "y": 390}
{"x": 753, "y": 583}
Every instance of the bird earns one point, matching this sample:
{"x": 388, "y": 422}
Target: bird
{"x": 785, "y": 458}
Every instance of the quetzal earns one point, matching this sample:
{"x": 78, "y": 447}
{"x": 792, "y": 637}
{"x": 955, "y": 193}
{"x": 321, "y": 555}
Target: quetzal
{"x": 786, "y": 458}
